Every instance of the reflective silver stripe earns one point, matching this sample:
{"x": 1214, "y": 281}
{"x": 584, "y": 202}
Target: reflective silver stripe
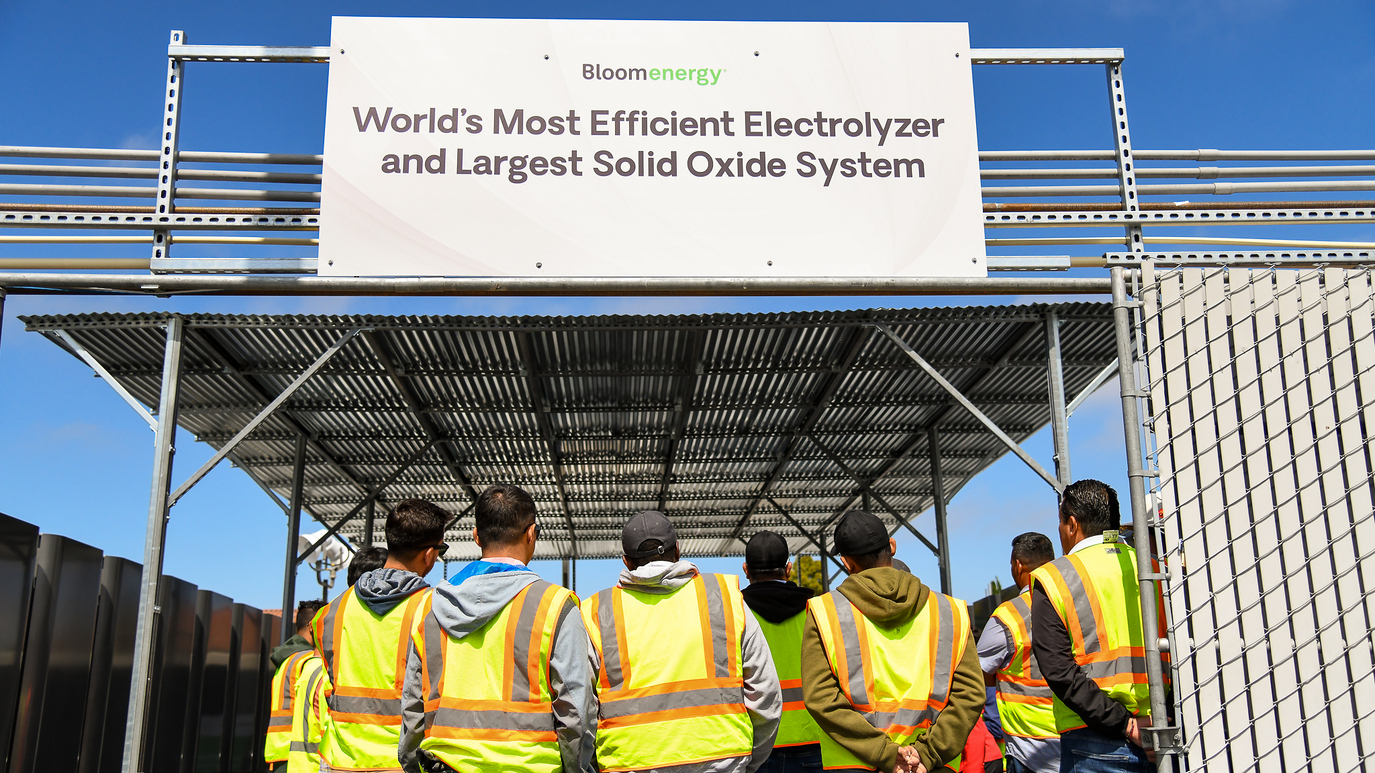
{"x": 792, "y": 694}
{"x": 305, "y": 725}
{"x": 854, "y": 657}
{"x": 1016, "y": 688}
{"x": 1127, "y": 664}
{"x": 901, "y": 718}
{"x": 611, "y": 650}
{"x": 716, "y": 618}
{"x": 327, "y": 635}
{"x": 943, "y": 670}
{"x": 352, "y": 704}
{"x": 520, "y": 654}
{"x": 278, "y": 721}
{"x": 435, "y": 639}
{"x": 1083, "y": 607}
{"x": 706, "y": 696}
{"x": 1022, "y": 609}
{"x": 309, "y": 748}
{"x": 495, "y": 720}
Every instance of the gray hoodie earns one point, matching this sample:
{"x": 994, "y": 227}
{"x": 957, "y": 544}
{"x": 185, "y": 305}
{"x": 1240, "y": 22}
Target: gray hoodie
{"x": 382, "y": 589}
{"x": 463, "y": 609}
{"x": 763, "y": 694}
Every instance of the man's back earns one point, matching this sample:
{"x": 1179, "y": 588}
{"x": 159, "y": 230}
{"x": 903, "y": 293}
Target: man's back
{"x": 362, "y": 636}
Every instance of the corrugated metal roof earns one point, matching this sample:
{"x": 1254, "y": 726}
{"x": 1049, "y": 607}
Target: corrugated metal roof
{"x": 721, "y": 403}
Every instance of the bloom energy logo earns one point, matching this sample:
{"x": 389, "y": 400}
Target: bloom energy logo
{"x": 701, "y": 76}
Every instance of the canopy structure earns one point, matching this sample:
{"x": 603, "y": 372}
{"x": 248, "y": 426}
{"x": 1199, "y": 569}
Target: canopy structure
{"x": 729, "y": 423}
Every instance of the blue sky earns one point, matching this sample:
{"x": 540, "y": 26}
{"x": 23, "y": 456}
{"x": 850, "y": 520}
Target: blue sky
{"x": 1263, "y": 74}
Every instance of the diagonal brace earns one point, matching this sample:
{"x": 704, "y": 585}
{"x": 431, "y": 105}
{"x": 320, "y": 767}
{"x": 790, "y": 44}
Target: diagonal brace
{"x": 374, "y": 494}
{"x": 1098, "y": 381}
{"x": 874, "y": 494}
{"x": 969, "y": 406}
{"x": 805, "y": 533}
{"x": 89, "y": 359}
{"x": 262, "y": 416}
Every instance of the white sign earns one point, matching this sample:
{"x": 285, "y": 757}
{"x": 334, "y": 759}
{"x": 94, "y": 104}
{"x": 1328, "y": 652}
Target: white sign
{"x": 489, "y": 147}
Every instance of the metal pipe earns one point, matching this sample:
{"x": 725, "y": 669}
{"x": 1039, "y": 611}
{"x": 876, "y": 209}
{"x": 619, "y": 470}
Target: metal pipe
{"x": 138, "y": 209}
{"x": 1179, "y": 155}
{"x": 1163, "y": 206}
{"x": 149, "y": 173}
{"x": 942, "y": 529}
{"x": 135, "y": 192}
{"x": 147, "y": 621}
{"x": 293, "y": 533}
{"x": 1224, "y": 240}
{"x": 552, "y": 286}
{"x": 82, "y": 264}
{"x": 1162, "y": 736}
{"x": 369, "y": 522}
{"x": 270, "y": 240}
{"x": 1199, "y": 173}
{"x": 197, "y": 156}
{"x": 824, "y": 556}
{"x": 1059, "y": 415}
{"x": 1204, "y": 189}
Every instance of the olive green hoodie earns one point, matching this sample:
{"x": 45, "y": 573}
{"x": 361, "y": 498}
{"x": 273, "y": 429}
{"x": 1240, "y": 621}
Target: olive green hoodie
{"x": 888, "y": 598}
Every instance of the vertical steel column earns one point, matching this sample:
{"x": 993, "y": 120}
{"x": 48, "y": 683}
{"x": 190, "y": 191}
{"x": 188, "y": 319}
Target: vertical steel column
{"x": 864, "y": 501}
{"x": 1126, "y": 165}
{"x": 938, "y": 488}
{"x": 566, "y": 577}
{"x": 825, "y": 570}
{"x": 2, "y": 309}
{"x": 1162, "y": 737}
{"x": 148, "y": 610}
{"x": 170, "y": 131}
{"x": 1059, "y": 418}
{"x": 293, "y": 534}
{"x": 369, "y": 522}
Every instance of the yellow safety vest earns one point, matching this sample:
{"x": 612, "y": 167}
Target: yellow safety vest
{"x": 1024, "y": 698}
{"x": 309, "y": 720}
{"x": 278, "y": 741}
{"x": 488, "y": 701}
{"x": 671, "y": 683}
{"x": 797, "y": 727}
{"x": 1096, "y": 593}
{"x": 898, "y": 678}
{"x": 365, "y": 656}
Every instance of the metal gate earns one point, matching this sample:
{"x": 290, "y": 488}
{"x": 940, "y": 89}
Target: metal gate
{"x": 1261, "y": 389}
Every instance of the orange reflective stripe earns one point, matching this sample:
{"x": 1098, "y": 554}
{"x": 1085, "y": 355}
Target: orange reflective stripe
{"x": 508, "y": 664}
{"x": 671, "y": 687}
{"x": 337, "y": 635}
{"x": 383, "y": 693}
{"x": 1071, "y": 614}
{"x": 1030, "y": 700}
{"x": 622, "y": 643}
{"x": 365, "y": 719}
{"x": 407, "y": 618}
{"x": 714, "y": 710}
{"x": 704, "y": 619}
{"x": 532, "y": 667}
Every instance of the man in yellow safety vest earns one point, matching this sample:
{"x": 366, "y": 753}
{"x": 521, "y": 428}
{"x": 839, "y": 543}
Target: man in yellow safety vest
{"x": 780, "y": 608}
{"x": 685, "y": 679}
{"x": 1024, "y": 698}
{"x": 499, "y": 675}
{"x": 889, "y": 668}
{"x": 363, "y": 636}
{"x": 291, "y": 659}
{"x": 1086, "y": 636}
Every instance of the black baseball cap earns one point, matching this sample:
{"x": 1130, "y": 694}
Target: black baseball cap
{"x": 860, "y": 533}
{"x": 766, "y": 552}
{"x": 647, "y": 525}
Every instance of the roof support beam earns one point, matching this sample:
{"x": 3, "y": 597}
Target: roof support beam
{"x": 805, "y": 533}
{"x": 969, "y": 406}
{"x": 845, "y": 468}
{"x": 88, "y": 358}
{"x": 384, "y": 355}
{"x": 261, "y": 417}
{"x": 1098, "y": 381}
{"x": 233, "y": 371}
{"x": 857, "y": 338}
{"x": 692, "y": 368}
{"x": 1059, "y": 416}
{"x": 546, "y": 428}
{"x": 372, "y": 495}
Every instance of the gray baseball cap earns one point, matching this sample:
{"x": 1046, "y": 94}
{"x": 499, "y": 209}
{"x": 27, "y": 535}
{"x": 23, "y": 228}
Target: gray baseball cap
{"x": 648, "y": 525}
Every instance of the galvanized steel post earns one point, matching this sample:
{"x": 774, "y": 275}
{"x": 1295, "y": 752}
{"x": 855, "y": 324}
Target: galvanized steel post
{"x": 170, "y": 133}
{"x": 1059, "y": 418}
{"x": 1162, "y": 738}
{"x": 369, "y": 522}
{"x": 148, "y": 610}
{"x": 825, "y": 572}
{"x": 938, "y": 492}
{"x": 293, "y": 533}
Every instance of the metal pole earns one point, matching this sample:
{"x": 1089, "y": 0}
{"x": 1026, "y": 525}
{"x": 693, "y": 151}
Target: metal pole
{"x": 566, "y": 577}
{"x": 1162, "y": 737}
{"x": 293, "y": 533}
{"x": 3, "y": 293}
{"x": 864, "y": 501}
{"x": 825, "y": 574}
{"x": 938, "y": 487}
{"x": 148, "y": 610}
{"x": 1059, "y": 416}
{"x": 369, "y": 522}
{"x": 169, "y": 130}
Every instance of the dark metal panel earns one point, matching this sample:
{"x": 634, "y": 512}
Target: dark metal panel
{"x": 214, "y": 619}
{"x": 247, "y": 745}
{"x": 18, "y": 553}
{"x": 112, "y": 664}
{"x": 176, "y": 638}
{"x": 57, "y": 656}
{"x": 190, "y": 732}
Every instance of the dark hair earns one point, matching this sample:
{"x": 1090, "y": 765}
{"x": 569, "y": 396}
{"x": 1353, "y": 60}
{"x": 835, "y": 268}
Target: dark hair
{"x": 415, "y": 525}
{"x": 503, "y": 512}
{"x": 646, "y": 547}
{"x": 305, "y": 612}
{"x": 881, "y": 557}
{"x": 365, "y": 561}
{"x": 1033, "y": 549}
{"x": 1093, "y": 504}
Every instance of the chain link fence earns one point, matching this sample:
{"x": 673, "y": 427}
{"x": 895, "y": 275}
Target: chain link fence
{"x": 1262, "y": 403}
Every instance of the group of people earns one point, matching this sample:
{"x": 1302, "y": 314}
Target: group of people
{"x": 678, "y": 670}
